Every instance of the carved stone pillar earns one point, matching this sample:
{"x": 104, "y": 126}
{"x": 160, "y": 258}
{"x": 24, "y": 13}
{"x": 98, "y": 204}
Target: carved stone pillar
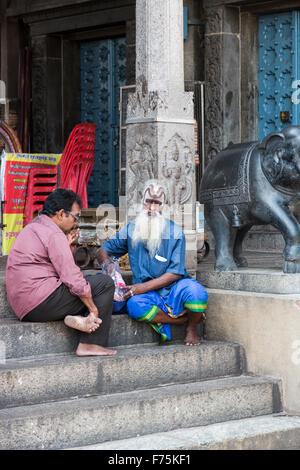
{"x": 160, "y": 122}
{"x": 222, "y": 78}
{"x": 46, "y": 95}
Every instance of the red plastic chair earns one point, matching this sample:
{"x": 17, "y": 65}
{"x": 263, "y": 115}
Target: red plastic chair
{"x": 41, "y": 183}
{"x": 76, "y": 165}
{"x": 85, "y": 132}
{"x": 78, "y": 159}
{"x": 79, "y": 173}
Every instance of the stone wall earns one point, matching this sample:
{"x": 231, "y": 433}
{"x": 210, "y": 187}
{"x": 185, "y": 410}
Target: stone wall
{"x": 47, "y": 94}
{"x": 194, "y": 43}
{"x": 222, "y": 78}
{"x": 130, "y": 52}
{"x": 231, "y": 88}
{"x": 11, "y": 40}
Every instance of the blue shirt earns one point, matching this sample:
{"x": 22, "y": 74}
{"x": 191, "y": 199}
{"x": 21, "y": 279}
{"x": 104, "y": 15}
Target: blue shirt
{"x": 169, "y": 258}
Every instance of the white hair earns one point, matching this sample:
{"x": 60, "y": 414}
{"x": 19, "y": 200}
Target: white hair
{"x": 157, "y": 188}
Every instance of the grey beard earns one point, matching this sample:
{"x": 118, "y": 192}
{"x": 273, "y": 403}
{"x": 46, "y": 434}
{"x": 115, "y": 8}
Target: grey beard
{"x": 149, "y": 230}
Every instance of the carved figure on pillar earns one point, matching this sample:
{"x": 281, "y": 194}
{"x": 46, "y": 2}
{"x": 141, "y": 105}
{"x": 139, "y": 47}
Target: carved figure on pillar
{"x": 178, "y": 171}
{"x": 142, "y": 165}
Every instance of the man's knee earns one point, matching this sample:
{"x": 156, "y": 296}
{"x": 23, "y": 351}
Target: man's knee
{"x": 109, "y": 283}
{"x": 138, "y": 305}
{"x": 101, "y": 282}
{"x": 194, "y": 289}
{"x": 132, "y": 306}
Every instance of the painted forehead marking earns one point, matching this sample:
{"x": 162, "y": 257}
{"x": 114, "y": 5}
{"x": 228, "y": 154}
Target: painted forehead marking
{"x": 155, "y": 195}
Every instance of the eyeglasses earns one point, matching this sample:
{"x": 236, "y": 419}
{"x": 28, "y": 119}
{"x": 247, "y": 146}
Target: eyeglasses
{"x": 75, "y": 217}
{"x": 149, "y": 202}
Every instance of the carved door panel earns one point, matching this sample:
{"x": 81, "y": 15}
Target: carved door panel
{"x": 103, "y": 71}
{"x": 278, "y": 70}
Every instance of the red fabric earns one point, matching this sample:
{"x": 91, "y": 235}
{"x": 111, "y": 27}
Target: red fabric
{"x": 78, "y": 159}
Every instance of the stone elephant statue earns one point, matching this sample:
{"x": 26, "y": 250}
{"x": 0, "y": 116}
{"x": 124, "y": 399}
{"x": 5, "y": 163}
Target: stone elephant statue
{"x": 254, "y": 183}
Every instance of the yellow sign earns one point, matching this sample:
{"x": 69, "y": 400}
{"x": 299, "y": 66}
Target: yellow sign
{"x": 14, "y": 224}
{"x": 15, "y": 168}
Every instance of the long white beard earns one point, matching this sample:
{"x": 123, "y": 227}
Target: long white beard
{"x": 149, "y": 230}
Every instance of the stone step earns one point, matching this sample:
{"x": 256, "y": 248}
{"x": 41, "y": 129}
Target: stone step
{"x": 48, "y": 378}
{"x": 273, "y": 432}
{"x": 86, "y": 421}
{"x": 5, "y": 310}
{"x": 270, "y": 281}
{"x": 22, "y": 339}
{"x": 267, "y": 326}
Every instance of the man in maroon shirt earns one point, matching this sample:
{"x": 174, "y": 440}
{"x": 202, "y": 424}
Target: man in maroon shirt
{"x": 44, "y": 284}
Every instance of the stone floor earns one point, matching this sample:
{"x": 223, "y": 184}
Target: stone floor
{"x": 256, "y": 259}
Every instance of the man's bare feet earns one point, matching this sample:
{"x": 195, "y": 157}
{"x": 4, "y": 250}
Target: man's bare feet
{"x": 192, "y": 338}
{"x": 86, "y": 324}
{"x": 93, "y": 350}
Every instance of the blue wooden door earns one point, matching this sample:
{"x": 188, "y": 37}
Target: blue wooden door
{"x": 278, "y": 71}
{"x": 103, "y": 71}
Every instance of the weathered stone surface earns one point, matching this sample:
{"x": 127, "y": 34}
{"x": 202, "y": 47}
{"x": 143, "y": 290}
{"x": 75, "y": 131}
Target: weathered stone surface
{"x": 116, "y": 416}
{"x": 46, "y": 97}
{"x": 267, "y": 326}
{"x": 159, "y": 45}
{"x": 32, "y": 339}
{"x": 222, "y": 99}
{"x": 272, "y": 281}
{"x": 47, "y": 378}
{"x": 276, "y": 432}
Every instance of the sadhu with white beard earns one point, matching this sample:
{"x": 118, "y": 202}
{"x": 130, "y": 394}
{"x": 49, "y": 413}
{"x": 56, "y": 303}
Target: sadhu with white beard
{"x": 162, "y": 292}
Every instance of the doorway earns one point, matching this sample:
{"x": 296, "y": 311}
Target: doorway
{"x": 278, "y": 71}
{"x": 102, "y": 73}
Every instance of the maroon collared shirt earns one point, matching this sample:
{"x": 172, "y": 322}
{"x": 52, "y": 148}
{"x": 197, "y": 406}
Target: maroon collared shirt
{"x": 39, "y": 261}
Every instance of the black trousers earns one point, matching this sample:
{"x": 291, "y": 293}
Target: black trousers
{"x": 61, "y": 303}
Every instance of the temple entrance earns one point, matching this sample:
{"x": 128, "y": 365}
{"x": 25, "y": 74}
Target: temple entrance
{"x": 103, "y": 71}
{"x": 278, "y": 71}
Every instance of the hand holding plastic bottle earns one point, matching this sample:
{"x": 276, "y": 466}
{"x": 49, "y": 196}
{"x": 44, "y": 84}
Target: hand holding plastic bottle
{"x": 112, "y": 269}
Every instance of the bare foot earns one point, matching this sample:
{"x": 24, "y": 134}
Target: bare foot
{"x": 93, "y": 350}
{"x": 86, "y": 324}
{"x": 192, "y": 338}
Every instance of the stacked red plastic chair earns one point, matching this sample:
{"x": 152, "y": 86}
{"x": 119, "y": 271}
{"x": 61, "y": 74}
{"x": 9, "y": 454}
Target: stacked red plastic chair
{"x": 78, "y": 160}
{"x": 41, "y": 183}
{"x": 75, "y": 167}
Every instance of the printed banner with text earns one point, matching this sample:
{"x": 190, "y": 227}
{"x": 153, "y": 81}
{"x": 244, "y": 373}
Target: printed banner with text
{"x": 14, "y": 178}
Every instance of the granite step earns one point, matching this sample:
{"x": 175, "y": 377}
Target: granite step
{"x": 23, "y": 339}
{"x": 271, "y": 432}
{"x": 90, "y": 420}
{"x": 5, "y": 310}
{"x": 53, "y": 377}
